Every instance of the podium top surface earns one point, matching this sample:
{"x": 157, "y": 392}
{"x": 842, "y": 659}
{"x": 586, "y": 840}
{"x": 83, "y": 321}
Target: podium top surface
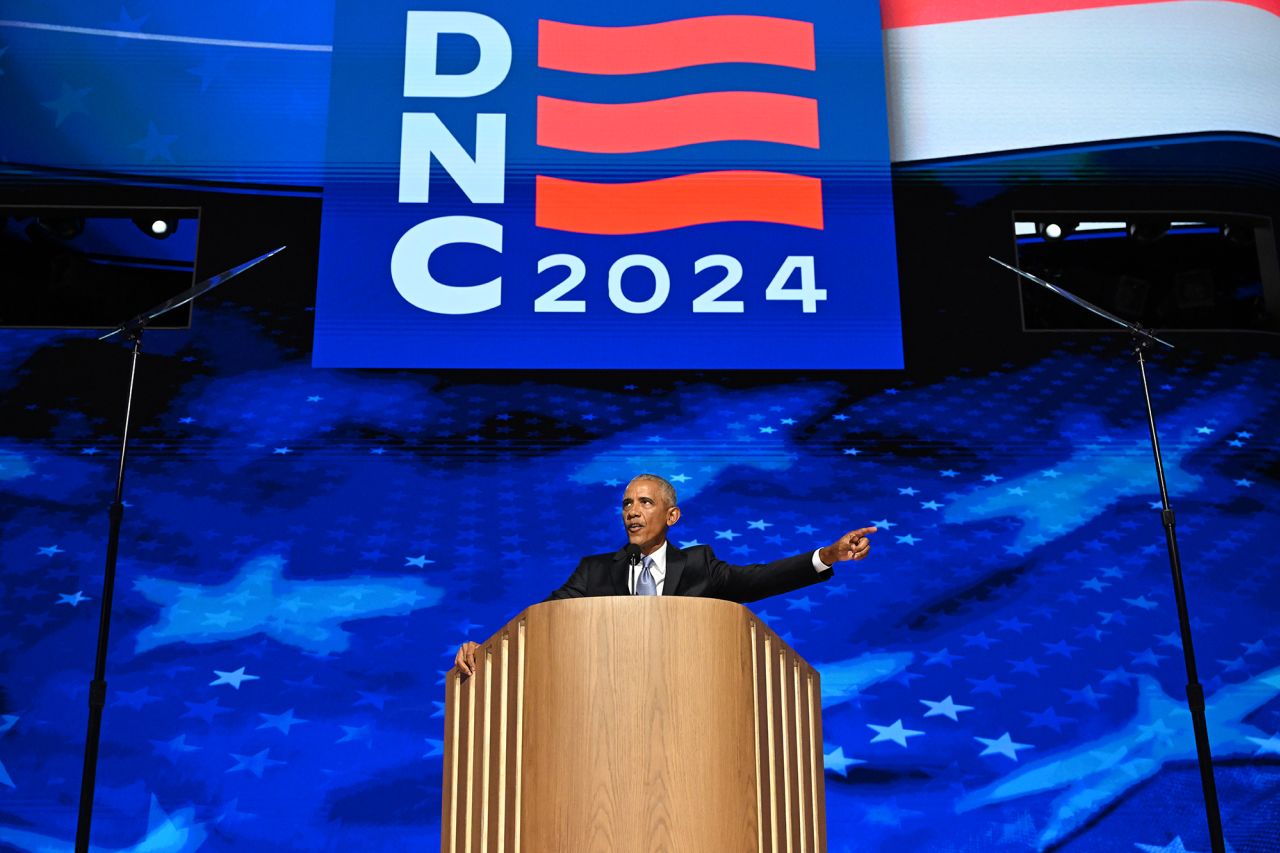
{"x": 691, "y": 622}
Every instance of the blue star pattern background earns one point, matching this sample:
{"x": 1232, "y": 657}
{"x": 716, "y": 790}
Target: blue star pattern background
{"x": 304, "y": 549}
{"x": 233, "y": 91}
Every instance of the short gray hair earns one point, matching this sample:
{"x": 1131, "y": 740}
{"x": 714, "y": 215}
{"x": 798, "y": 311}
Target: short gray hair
{"x": 668, "y": 490}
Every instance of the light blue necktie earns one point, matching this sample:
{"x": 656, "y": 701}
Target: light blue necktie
{"x": 645, "y": 584}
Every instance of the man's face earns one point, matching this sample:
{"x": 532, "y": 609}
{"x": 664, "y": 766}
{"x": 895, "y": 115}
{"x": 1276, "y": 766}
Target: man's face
{"x": 647, "y": 515}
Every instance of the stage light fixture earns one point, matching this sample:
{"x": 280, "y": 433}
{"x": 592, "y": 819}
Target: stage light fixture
{"x": 1054, "y": 231}
{"x": 1239, "y": 233}
{"x": 158, "y": 227}
{"x": 1147, "y": 231}
{"x": 59, "y": 227}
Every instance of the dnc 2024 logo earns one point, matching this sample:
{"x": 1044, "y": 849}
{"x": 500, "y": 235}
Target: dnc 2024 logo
{"x": 683, "y": 163}
{"x": 593, "y": 207}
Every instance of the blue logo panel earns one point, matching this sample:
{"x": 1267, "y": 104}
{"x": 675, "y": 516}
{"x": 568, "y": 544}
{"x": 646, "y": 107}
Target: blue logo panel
{"x": 539, "y": 185}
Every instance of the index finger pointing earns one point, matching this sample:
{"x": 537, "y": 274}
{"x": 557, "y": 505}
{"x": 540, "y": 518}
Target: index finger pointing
{"x": 862, "y": 531}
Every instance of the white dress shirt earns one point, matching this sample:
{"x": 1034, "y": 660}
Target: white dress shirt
{"x": 659, "y": 568}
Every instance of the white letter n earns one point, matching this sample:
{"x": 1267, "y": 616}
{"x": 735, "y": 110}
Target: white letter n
{"x": 423, "y": 135}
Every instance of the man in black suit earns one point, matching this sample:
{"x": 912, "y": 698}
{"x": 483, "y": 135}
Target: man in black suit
{"x": 648, "y": 509}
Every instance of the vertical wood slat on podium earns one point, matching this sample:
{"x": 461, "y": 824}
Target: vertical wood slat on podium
{"x": 636, "y": 724}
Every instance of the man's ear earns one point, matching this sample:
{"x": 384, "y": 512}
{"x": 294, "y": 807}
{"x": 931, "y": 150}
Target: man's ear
{"x": 673, "y": 515}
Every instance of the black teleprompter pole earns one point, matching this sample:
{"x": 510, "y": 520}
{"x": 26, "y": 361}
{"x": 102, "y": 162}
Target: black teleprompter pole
{"x": 98, "y": 686}
{"x": 1143, "y": 338}
{"x": 1195, "y": 693}
{"x": 131, "y": 330}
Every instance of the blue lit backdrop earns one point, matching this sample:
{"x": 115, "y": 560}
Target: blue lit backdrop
{"x": 304, "y": 549}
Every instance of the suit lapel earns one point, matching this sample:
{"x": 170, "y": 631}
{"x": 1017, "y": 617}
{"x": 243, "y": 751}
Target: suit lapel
{"x": 618, "y": 573}
{"x": 675, "y": 566}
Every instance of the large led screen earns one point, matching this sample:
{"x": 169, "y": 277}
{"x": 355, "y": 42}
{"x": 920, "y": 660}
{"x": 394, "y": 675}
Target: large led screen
{"x": 566, "y": 184}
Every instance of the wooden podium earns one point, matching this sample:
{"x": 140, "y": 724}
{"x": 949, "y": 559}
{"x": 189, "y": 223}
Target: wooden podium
{"x": 631, "y": 724}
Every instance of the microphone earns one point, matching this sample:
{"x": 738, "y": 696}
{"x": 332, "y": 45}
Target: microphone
{"x": 633, "y": 559}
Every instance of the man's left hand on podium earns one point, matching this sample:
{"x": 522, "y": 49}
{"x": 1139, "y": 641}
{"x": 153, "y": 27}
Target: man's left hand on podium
{"x": 465, "y": 660}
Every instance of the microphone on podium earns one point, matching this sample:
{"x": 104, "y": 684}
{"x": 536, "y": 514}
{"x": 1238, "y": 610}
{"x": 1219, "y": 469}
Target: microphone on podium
{"x": 633, "y": 560}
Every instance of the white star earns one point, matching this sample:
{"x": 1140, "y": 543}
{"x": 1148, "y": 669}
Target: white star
{"x": 1270, "y": 746}
{"x": 171, "y": 749}
{"x": 282, "y": 721}
{"x": 1260, "y": 647}
{"x": 73, "y": 599}
{"x": 255, "y": 763}
{"x": 155, "y": 144}
{"x": 1002, "y": 745}
{"x": 908, "y": 539}
{"x": 851, "y": 451}
{"x": 1174, "y": 846}
{"x": 908, "y": 490}
{"x": 759, "y": 525}
{"x": 836, "y": 762}
{"x": 895, "y": 733}
{"x": 805, "y": 604}
{"x": 232, "y": 678}
{"x": 727, "y": 534}
{"x": 884, "y": 524}
{"x": 419, "y": 561}
{"x": 356, "y": 734}
{"x": 945, "y": 708}
{"x": 68, "y": 102}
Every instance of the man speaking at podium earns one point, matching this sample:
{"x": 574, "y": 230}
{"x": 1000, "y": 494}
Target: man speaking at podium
{"x": 649, "y": 565}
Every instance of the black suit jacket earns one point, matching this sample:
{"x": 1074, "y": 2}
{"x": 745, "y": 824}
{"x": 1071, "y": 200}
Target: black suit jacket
{"x": 695, "y": 571}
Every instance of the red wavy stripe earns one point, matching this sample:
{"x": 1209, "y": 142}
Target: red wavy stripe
{"x": 915, "y": 13}
{"x": 672, "y": 122}
{"x": 661, "y": 205}
{"x": 675, "y": 44}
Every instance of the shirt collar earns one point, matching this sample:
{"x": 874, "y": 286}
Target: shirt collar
{"x": 659, "y": 558}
